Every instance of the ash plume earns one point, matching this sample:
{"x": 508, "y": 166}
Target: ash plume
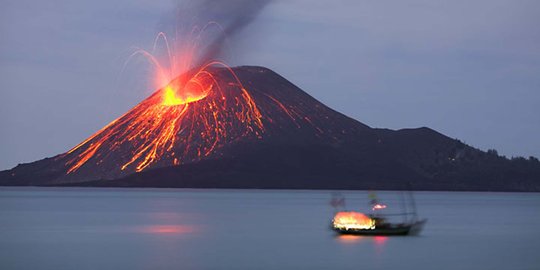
{"x": 232, "y": 16}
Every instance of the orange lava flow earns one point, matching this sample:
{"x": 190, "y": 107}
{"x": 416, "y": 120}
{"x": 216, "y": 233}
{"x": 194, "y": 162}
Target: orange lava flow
{"x": 189, "y": 118}
{"x": 174, "y": 127}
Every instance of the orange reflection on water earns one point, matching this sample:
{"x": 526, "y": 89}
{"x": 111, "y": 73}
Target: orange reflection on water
{"x": 380, "y": 240}
{"x": 380, "y": 243}
{"x": 348, "y": 238}
{"x": 167, "y": 229}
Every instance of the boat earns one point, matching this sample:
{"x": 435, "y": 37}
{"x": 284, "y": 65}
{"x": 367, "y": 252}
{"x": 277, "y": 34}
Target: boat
{"x": 375, "y": 223}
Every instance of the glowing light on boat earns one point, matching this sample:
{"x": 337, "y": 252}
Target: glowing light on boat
{"x": 378, "y": 207}
{"x": 353, "y": 220}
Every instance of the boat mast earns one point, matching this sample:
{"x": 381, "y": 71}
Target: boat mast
{"x": 338, "y": 201}
{"x": 404, "y": 208}
{"x": 413, "y": 205}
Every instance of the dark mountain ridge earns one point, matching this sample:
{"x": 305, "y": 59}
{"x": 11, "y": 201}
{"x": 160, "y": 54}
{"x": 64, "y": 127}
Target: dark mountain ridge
{"x": 301, "y": 144}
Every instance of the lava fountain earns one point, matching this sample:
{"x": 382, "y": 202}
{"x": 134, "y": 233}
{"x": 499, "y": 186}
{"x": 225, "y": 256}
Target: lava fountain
{"x": 190, "y": 117}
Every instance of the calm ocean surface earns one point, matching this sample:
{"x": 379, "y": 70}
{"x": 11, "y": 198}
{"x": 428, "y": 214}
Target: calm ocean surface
{"x": 90, "y": 228}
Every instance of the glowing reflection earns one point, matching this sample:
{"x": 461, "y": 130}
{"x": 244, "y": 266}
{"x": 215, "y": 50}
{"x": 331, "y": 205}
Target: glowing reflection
{"x": 380, "y": 240}
{"x": 349, "y": 239}
{"x": 380, "y": 243}
{"x": 166, "y": 229}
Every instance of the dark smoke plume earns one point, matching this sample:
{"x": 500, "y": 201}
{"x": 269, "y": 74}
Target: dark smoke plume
{"x": 232, "y": 15}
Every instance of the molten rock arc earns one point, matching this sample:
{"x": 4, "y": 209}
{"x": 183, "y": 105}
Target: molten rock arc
{"x": 189, "y": 119}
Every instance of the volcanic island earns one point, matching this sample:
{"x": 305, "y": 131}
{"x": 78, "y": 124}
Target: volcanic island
{"x": 248, "y": 127}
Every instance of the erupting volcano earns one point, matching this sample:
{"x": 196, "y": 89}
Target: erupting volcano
{"x": 192, "y": 117}
{"x": 247, "y": 127}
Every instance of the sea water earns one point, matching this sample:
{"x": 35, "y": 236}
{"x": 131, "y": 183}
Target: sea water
{"x": 110, "y": 228}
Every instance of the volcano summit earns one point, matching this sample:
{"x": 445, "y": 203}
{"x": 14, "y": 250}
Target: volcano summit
{"x": 248, "y": 127}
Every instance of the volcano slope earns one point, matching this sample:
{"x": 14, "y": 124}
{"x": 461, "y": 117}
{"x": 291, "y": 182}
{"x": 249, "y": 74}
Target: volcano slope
{"x": 251, "y": 128}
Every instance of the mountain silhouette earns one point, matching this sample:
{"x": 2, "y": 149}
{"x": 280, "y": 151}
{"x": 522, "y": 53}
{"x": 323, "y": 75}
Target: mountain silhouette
{"x": 248, "y": 127}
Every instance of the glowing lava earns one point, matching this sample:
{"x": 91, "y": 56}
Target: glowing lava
{"x": 194, "y": 90}
{"x": 170, "y": 98}
{"x": 191, "y": 117}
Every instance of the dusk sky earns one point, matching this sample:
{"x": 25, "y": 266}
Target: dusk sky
{"x": 468, "y": 69}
